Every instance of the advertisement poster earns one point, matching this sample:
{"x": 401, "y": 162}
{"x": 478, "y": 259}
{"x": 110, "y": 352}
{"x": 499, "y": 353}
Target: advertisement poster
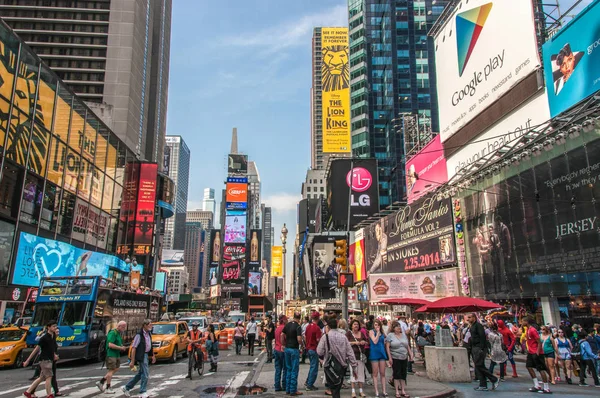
{"x": 255, "y": 252}
{"x": 571, "y": 59}
{"x": 39, "y": 257}
{"x": 322, "y": 259}
{"x": 418, "y": 237}
{"x": 235, "y": 227}
{"x": 216, "y": 244}
{"x": 160, "y": 282}
{"x": 536, "y": 233}
{"x": 234, "y": 263}
{"x": 357, "y": 256}
{"x": 254, "y": 284}
{"x": 90, "y": 224}
{"x": 426, "y": 171}
{"x": 237, "y": 164}
{"x": 364, "y": 198}
{"x": 430, "y": 285}
{"x": 130, "y": 190}
{"x": 215, "y": 291}
{"x": 505, "y": 133}
{"x": 172, "y": 258}
{"x": 335, "y": 75}
{"x": 134, "y": 279}
{"x": 475, "y": 65}
{"x": 212, "y": 276}
{"x": 146, "y": 201}
{"x": 276, "y": 261}
{"x": 236, "y": 196}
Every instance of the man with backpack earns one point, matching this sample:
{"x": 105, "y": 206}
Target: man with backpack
{"x": 114, "y": 347}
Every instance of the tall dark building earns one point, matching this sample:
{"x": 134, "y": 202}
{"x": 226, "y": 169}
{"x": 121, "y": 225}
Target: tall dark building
{"x": 267, "y": 237}
{"x": 393, "y": 86}
{"x": 114, "y": 54}
{"x": 177, "y": 160}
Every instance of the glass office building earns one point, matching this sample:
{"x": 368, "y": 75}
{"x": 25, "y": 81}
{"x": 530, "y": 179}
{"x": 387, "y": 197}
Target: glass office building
{"x": 392, "y": 77}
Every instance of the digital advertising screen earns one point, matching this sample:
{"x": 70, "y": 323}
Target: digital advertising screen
{"x": 235, "y": 227}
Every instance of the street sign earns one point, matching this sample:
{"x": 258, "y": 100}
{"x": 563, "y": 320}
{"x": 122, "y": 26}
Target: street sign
{"x": 346, "y": 279}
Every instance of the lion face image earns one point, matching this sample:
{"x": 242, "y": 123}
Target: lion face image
{"x": 335, "y": 69}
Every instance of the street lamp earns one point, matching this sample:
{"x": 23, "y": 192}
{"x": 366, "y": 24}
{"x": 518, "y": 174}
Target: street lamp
{"x": 283, "y": 237}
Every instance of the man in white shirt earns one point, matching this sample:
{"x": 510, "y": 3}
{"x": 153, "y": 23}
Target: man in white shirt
{"x": 251, "y": 331}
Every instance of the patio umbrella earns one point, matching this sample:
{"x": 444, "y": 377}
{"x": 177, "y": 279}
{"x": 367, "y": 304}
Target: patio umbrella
{"x": 406, "y": 301}
{"x": 459, "y": 305}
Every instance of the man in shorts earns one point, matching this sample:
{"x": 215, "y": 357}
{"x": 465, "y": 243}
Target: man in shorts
{"x": 48, "y": 355}
{"x": 535, "y": 358}
{"x": 114, "y": 347}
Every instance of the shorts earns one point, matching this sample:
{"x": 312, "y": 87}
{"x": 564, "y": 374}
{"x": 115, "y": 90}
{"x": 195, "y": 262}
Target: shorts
{"x": 400, "y": 369}
{"x": 113, "y": 363}
{"x": 550, "y": 355}
{"x": 536, "y": 361}
{"x": 46, "y": 369}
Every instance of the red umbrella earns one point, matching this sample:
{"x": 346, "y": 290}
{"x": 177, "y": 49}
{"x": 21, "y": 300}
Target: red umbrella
{"x": 406, "y": 301}
{"x": 459, "y": 304}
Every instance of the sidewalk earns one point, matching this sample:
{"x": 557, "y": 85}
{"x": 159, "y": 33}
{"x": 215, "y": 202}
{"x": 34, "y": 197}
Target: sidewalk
{"x": 418, "y": 385}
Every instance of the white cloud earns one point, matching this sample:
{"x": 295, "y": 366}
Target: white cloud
{"x": 290, "y": 33}
{"x": 282, "y": 202}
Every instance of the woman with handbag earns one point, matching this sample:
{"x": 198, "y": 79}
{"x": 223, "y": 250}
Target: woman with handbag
{"x": 378, "y": 356}
{"x": 338, "y": 354}
{"x": 358, "y": 341}
{"x": 399, "y": 353}
{"x": 238, "y": 336}
{"x": 498, "y": 352}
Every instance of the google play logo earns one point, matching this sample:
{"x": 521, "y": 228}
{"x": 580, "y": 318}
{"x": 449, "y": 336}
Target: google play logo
{"x": 469, "y": 25}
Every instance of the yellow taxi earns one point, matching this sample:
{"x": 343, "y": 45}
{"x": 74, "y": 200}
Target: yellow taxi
{"x": 169, "y": 340}
{"x": 12, "y": 343}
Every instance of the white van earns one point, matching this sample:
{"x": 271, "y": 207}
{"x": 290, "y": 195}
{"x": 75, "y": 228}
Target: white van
{"x": 200, "y": 319}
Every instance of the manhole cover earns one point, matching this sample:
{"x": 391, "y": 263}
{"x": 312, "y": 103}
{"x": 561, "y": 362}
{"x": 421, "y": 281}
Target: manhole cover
{"x": 251, "y": 390}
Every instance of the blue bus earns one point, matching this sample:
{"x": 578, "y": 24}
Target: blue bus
{"x": 86, "y": 309}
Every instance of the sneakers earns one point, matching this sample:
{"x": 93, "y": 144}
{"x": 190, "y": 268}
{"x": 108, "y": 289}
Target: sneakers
{"x": 584, "y": 384}
{"x": 311, "y": 388}
{"x": 109, "y": 390}
{"x": 126, "y": 391}
{"x": 495, "y": 384}
{"x": 481, "y": 388}
{"x": 100, "y": 386}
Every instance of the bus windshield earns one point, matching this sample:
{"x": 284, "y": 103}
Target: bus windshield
{"x": 45, "y": 312}
{"x": 164, "y": 329}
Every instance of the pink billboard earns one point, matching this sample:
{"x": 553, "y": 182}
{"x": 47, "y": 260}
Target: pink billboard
{"x": 426, "y": 170}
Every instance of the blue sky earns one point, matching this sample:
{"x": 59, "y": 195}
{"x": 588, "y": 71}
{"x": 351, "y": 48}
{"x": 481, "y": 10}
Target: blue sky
{"x": 246, "y": 64}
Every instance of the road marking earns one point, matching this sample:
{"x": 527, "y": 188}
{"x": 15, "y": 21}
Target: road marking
{"x": 234, "y": 383}
{"x": 177, "y": 377}
{"x": 208, "y": 374}
{"x": 23, "y": 388}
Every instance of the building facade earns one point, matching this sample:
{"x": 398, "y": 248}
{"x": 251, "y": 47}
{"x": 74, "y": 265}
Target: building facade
{"x": 254, "y": 187}
{"x": 179, "y": 172}
{"x": 113, "y": 54}
{"x": 392, "y": 78}
{"x": 194, "y": 258}
{"x": 315, "y": 186}
{"x": 177, "y": 280}
{"x": 209, "y": 203}
{"x": 268, "y": 235}
{"x": 206, "y": 220}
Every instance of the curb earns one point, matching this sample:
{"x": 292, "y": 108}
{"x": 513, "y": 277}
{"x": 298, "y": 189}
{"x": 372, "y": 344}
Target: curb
{"x": 256, "y": 370}
{"x": 444, "y": 394}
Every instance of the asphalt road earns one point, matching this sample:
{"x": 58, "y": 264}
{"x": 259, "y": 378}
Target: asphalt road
{"x": 78, "y": 378}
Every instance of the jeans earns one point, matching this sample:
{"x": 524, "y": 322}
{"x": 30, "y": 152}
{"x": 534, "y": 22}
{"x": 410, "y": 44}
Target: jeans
{"x": 480, "y": 369}
{"x": 142, "y": 374}
{"x": 269, "y": 345}
{"x": 239, "y": 341}
{"x": 588, "y": 363}
{"x": 314, "y": 368}
{"x": 251, "y": 338}
{"x": 502, "y": 368}
{"x": 292, "y": 366}
{"x": 280, "y": 371}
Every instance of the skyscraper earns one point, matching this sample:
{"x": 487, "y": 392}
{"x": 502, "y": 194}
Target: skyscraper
{"x": 114, "y": 54}
{"x": 253, "y": 196}
{"x": 209, "y": 202}
{"x": 392, "y": 77}
{"x": 194, "y": 254}
{"x": 179, "y": 171}
{"x": 268, "y": 234}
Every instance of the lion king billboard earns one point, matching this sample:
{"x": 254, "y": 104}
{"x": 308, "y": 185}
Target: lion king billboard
{"x": 335, "y": 74}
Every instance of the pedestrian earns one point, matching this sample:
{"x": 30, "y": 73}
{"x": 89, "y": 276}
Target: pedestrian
{"x": 259, "y": 334}
{"x": 549, "y": 349}
{"x": 399, "y": 354}
{"x": 305, "y": 323}
{"x": 269, "y": 336}
{"x": 238, "y": 336}
{"x": 194, "y": 339}
{"x": 378, "y": 356}
{"x": 406, "y": 330}
{"x": 48, "y": 356}
{"x": 141, "y": 354}
{"x": 497, "y": 353}
{"x": 251, "y": 330}
{"x": 358, "y": 341}
{"x": 587, "y": 360}
{"x": 291, "y": 338}
{"x": 371, "y": 322}
{"x": 385, "y": 326}
{"x": 563, "y": 356}
{"x": 280, "y": 369}
{"x": 509, "y": 340}
{"x": 114, "y": 348}
{"x": 535, "y": 357}
{"x": 478, "y": 344}
{"x": 312, "y": 335}
{"x": 212, "y": 348}
{"x": 336, "y": 344}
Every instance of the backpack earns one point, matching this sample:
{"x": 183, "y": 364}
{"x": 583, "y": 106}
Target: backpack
{"x": 576, "y": 351}
{"x": 334, "y": 371}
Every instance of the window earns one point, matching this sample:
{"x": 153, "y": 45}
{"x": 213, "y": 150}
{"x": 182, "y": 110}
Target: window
{"x": 322, "y": 189}
{"x": 45, "y": 312}
{"x": 32, "y": 199}
{"x": 7, "y": 232}
{"x": 65, "y": 217}
{"x": 50, "y": 205}
{"x": 9, "y": 192}
{"x": 307, "y": 189}
{"x": 75, "y": 314}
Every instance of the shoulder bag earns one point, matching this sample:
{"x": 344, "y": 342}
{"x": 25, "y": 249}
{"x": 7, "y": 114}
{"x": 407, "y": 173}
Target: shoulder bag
{"x": 334, "y": 371}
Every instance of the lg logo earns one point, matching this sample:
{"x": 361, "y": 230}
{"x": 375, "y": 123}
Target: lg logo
{"x": 360, "y": 180}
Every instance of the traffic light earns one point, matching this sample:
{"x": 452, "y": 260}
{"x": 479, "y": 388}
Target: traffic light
{"x": 345, "y": 279}
{"x": 341, "y": 254}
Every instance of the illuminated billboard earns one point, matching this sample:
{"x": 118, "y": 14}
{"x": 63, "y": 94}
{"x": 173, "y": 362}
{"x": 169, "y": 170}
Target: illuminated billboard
{"x": 236, "y": 196}
{"x": 572, "y": 59}
{"x": 234, "y": 263}
{"x": 146, "y": 201}
{"x": 478, "y": 59}
{"x": 90, "y": 224}
{"x": 426, "y": 171}
{"x": 276, "y": 261}
{"x": 235, "y": 227}
{"x": 237, "y": 164}
{"x": 335, "y": 74}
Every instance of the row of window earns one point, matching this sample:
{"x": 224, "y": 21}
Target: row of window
{"x": 314, "y": 189}
{"x": 67, "y": 51}
{"x": 91, "y": 4}
{"x": 63, "y": 39}
{"x": 50, "y": 14}
{"x": 57, "y": 26}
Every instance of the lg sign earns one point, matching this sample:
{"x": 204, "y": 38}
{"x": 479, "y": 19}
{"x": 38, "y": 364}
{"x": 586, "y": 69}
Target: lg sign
{"x": 360, "y": 180}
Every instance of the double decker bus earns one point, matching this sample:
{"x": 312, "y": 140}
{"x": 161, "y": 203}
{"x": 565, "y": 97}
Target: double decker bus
{"x": 86, "y": 309}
